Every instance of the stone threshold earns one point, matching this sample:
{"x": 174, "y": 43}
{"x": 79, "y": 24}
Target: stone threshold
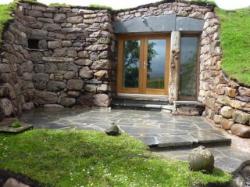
{"x": 142, "y": 97}
{"x": 156, "y": 102}
{"x": 176, "y": 144}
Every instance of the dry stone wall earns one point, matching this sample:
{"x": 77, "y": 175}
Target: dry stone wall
{"x": 57, "y": 56}
{"x": 227, "y": 102}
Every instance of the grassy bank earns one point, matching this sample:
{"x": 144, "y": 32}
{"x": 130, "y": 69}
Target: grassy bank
{"x": 235, "y": 42}
{"x": 89, "y": 158}
{"x": 5, "y": 16}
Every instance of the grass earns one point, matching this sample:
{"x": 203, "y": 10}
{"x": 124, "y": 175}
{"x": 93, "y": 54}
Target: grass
{"x": 97, "y": 6}
{"x": 5, "y": 16}
{"x": 235, "y": 41}
{"x": 89, "y": 158}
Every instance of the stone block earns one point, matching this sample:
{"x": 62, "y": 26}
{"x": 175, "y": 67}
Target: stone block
{"x": 85, "y": 100}
{"x": 103, "y": 55}
{"x": 226, "y": 111}
{"x": 66, "y": 43}
{"x": 243, "y": 91}
{"x": 75, "y": 84}
{"x": 83, "y": 54}
{"x": 50, "y": 68}
{"x": 226, "y": 123}
{"x": 4, "y": 68}
{"x": 97, "y": 47}
{"x": 40, "y": 80}
{"x": 35, "y": 13}
{"x": 231, "y": 92}
{"x": 27, "y": 66}
{"x": 45, "y": 20}
{"x": 85, "y": 72}
{"x": 54, "y": 44}
{"x": 241, "y": 130}
{"x": 73, "y": 93}
{"x": 83, "y": 62}
{"x": 44, "y": 97}
{"x": 90, "y": 88}
{"x": 217, "y": 119}
{"x": 52, "y": 27}
{"x": 56, "y": 86}
{"x": 75, "y": 19}
{"x": 67, "y": 101}
{"x": 102, "y": 100}
{"x": 59, "y": 18}
{"x": 241, "y": 117}
{"x": 102, "y": 88}
{"x": 100, "y": 74}
{"x": 27, "y": 76}
{"x": 100, "y": 65}
{"x": 69, "y": 75}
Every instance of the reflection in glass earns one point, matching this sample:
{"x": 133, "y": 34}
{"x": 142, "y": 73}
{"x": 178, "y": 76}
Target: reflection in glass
{"x": 189, "y": 47}
{"x": 131, "y": 63}
{"x": 156, "y": 63}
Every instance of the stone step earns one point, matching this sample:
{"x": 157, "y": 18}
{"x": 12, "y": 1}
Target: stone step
{"x": 141, "y": 103}
{"x": 176, "y": 142}
{"x": 188, "y": 108}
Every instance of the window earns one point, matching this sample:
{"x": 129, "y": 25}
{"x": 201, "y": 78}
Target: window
{"x": 188, "y": 67}
{"x": 33, "y": 44}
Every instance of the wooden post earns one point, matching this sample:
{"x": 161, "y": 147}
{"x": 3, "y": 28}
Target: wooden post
{"x": 174, "y": 66}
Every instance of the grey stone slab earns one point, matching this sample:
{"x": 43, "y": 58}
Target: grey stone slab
{"x": 174, "y": 142}
{"x": 189, "y": 24}
{"x": 210, "y": 137}
{"x": 163, "y": 23}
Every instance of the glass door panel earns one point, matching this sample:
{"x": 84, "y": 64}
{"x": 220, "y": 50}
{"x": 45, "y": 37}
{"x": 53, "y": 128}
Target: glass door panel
{"x": 131, "y": 63}
{"x": 188, "y": 67}
{"x": 156, "y": 61}
{"x": 142, "y": 64}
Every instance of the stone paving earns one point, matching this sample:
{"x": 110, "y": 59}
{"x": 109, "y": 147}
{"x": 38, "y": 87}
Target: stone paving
{"x": 154, "y": 128}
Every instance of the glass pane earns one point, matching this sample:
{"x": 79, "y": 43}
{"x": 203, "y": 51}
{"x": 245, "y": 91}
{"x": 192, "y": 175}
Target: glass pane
{"x": 131, "y": 64}
{"x": 156, "y": 63}
{"x": 189, "y": 47}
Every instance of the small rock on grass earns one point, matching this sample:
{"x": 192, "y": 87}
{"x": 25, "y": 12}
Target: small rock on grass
{"x": 114, "y": 130}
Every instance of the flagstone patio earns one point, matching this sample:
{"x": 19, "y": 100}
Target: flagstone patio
{"x": 154, "y": 128}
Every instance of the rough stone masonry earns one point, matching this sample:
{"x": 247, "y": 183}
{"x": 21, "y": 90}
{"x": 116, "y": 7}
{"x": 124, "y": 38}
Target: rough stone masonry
{"x": 63, "y": 56}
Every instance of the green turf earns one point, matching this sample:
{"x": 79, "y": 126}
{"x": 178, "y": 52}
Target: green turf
{"x": 89, "y": 158}
{"x": 5, "y": 16}
{"x": 235, "y": 39}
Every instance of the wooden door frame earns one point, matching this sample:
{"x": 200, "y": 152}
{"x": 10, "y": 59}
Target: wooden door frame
{"x": 143, "y": 64}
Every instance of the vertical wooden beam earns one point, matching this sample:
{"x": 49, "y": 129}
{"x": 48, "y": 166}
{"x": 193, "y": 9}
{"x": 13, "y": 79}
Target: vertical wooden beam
{"x": 174, "y": 66}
